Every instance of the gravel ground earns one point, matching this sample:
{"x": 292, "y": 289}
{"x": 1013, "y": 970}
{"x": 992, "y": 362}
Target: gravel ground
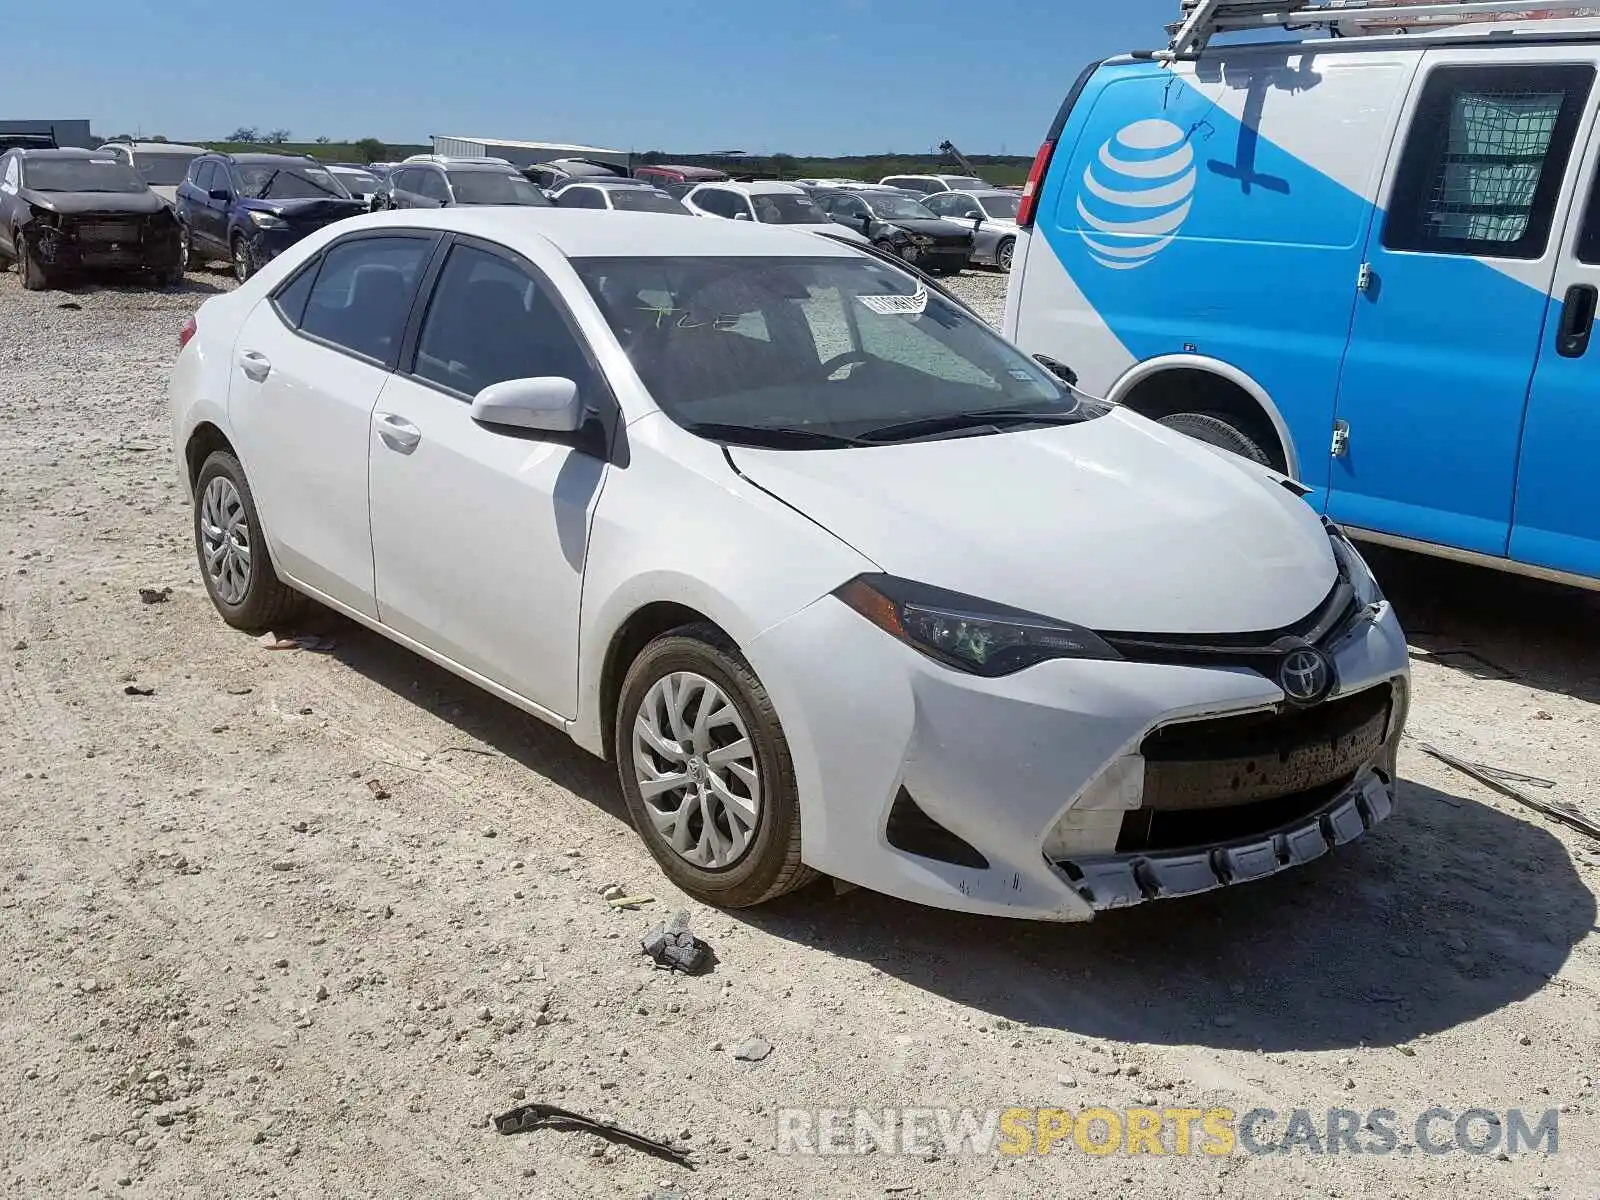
{"x": 295, "y": 922}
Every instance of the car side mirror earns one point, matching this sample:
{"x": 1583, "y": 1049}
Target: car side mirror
{"x": 977, "y": 223}
{"x": 220, "y": 194}
{"x": 864, "y": 220}
{"x": 744, "y": 216}
{"x": 547, "y": 403}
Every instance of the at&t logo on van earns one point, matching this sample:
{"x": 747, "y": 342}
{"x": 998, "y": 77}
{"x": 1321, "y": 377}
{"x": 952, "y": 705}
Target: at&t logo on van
{"x": 1137, "y": 193}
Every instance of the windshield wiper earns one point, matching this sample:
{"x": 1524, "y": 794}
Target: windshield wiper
{"x": 776, "y": 437}
{"x": 920, "y": 427}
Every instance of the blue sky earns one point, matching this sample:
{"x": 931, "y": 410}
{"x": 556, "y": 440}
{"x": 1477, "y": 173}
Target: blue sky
{"x": 800, "y": 76}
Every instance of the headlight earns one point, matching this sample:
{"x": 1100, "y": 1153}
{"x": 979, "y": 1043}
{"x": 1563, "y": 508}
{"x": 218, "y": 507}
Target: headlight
{"x": 1354, "y": 567}
{"x": 921, "y": 239}
{"x": 964, "y": 633}
{"x": 266, "y": 220}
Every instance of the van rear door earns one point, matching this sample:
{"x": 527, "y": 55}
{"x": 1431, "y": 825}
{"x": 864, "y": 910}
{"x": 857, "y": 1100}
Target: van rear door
{"x": 1556, "y": 522}
{"x": 1454, "y": 294}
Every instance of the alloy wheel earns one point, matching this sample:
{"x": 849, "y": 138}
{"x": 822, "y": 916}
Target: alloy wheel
{"x": 697, "y": 771}
{"x": 241, "y": 260}
{"x": 1006, "y": 249}
{"x": 225, "y": 540}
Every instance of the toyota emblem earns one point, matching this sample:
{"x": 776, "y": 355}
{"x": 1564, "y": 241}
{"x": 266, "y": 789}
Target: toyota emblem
{"x": 1305, "y": 675}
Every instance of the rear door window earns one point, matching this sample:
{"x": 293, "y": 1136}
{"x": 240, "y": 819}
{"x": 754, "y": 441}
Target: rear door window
{"x": 430, "y": 185}
{"x": 362, "y": 294}
{"x": 1484, "y": 160}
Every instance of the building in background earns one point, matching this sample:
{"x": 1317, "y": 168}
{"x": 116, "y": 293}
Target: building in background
{"x": 524, "y": 154}
{"x": 66, "y": 133}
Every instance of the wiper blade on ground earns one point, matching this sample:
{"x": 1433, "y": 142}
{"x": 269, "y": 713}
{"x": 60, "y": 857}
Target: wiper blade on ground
{"x": 975, "y": 419}
{"x": 778, "y": 437}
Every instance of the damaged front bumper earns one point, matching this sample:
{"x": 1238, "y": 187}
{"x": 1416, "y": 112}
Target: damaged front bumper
{"x": 1074, "y": 786}
{"x": 113, "y": 242}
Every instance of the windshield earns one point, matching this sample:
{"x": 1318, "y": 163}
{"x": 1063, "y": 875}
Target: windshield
{"x": 79, "y": 175}
{"x": 272, "y": 181}
{"x": 645, "y": 200}
{"x": 965, "y": 183}
{"x": 495, "y": 187}
{"x": 1001, "y": 208}
{"x": 897, "y": 208}
{"x": 812, "y": 352}
{"x": 782, "y": 208}
{"x": 162, "y": 170}
{"x": 357, "y": 181}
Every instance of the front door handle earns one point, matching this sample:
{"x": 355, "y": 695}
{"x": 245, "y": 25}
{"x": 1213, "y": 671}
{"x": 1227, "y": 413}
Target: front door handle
{"x": 398, "y": 433}
{"x": 255, "y": 365}
{"x": 1577, "y": 320}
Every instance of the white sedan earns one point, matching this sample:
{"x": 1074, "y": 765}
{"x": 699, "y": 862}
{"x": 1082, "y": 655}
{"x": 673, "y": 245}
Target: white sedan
{"x": 843, "y": 582}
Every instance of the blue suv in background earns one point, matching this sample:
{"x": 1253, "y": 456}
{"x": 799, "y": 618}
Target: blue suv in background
{"x": 249, "y": 208}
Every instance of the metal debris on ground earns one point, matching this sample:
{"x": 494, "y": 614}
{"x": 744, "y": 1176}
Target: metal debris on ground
{"x": 1500, "y": 781}
{"x": 379, "y": 792}
{"x": 534, "y": 1115}
{"x": 319, "y": 645}
{"x": 154, "y": 595}
{"x": 675, "y": 948}
{"x": 138, "y": 689}
{"x": 630, "y": 902}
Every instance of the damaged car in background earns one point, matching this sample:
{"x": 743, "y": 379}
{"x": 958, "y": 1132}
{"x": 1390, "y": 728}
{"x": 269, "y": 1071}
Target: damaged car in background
{"x": 249, "y": 208}
{"x": 63, "y": 211}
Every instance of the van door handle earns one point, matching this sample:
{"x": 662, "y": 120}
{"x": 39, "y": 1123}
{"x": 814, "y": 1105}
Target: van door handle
{"x": 255, "y": 365}
{"x": 1577, "y": 320}
{"x": 398, "y": 433}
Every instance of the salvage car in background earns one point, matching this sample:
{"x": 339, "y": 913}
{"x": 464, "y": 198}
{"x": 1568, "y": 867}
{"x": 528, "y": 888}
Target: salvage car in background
{"x": 68, "y": 210}
{"x": 625, "y": 195}
{"x": 249, "y": 208}
{"x": 557, "y": 172}
{"x": 761, "y": 517}
{"x": 931, "y": 185}
{"x": 361, "y": 183}
{"x": 438, "y": 181}
{"x": 895, "y": 222}
{"x": 676, "y": 179}
{"x": 993, "y": 217}
{"x": 163, "y": 165}
{"x": 785, "y": 204}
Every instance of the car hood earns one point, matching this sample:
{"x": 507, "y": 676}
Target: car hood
{"x": 832, "y": 228}
{"x": 311, "y": 207}
{"x": 934, "y": 227}
{"x": 74, "y": 203}
{"x": 1115, "y": 524}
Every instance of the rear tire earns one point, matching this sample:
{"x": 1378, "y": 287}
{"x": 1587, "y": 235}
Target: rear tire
{"x": 244, "y": 587}
{"x": 1217, "y": 429}
{"x": 186, "y": 255}
{"x": 1003, "y": 252}
{"x": 769, "y": 863}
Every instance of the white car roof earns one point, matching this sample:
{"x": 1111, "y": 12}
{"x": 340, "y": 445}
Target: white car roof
{"x": 157, "y": 147}
{"x": 766, "y": 187}
{"x": 585, "y": 233}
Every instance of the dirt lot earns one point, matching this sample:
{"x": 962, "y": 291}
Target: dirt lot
{"x": 295, "y": 922}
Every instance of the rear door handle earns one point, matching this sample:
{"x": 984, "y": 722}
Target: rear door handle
{"x": 1577, "y": 320}
{"x": 255, "y": 365}
{"x": 398, "y": 433}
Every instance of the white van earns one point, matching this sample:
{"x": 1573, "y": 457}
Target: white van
{"x": 1370, "y": 261}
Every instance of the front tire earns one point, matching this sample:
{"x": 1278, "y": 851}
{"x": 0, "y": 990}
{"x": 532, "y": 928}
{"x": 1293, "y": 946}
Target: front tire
{"x": 186, "y": 255}
{"x": 244, "y": 261}
{"x": 706, "y": 771}
{"x": 34, "y": 278}
{"x": 234, "y": 560}
{"x": 1217, "y": 429}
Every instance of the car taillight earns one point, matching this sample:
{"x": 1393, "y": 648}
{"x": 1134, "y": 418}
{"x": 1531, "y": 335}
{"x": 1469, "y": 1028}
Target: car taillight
{"x": 188, "y": 331}
{"x": 1030, "y": 190}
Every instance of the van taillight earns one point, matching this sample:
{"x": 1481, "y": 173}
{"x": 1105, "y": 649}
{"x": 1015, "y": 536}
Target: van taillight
{"x": 1030, "y": 190}
{"x": 188, "y": 331}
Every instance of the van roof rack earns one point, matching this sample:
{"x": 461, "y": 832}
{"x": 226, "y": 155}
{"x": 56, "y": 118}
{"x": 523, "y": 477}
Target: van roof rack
{"x": 1203, "y": 19}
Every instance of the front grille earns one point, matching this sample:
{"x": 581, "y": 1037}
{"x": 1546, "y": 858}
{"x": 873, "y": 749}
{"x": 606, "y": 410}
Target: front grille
{"x": 99, "y": 231}
{"x": 1229, "y": 777}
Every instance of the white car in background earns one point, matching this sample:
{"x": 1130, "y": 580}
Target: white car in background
{"x": 162, "y": 165}
{"x": 841, "y": 580}
{"x": 993, "y": 217}
{"x": 362, "y": 185}
{"x": 786, "y": 204}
